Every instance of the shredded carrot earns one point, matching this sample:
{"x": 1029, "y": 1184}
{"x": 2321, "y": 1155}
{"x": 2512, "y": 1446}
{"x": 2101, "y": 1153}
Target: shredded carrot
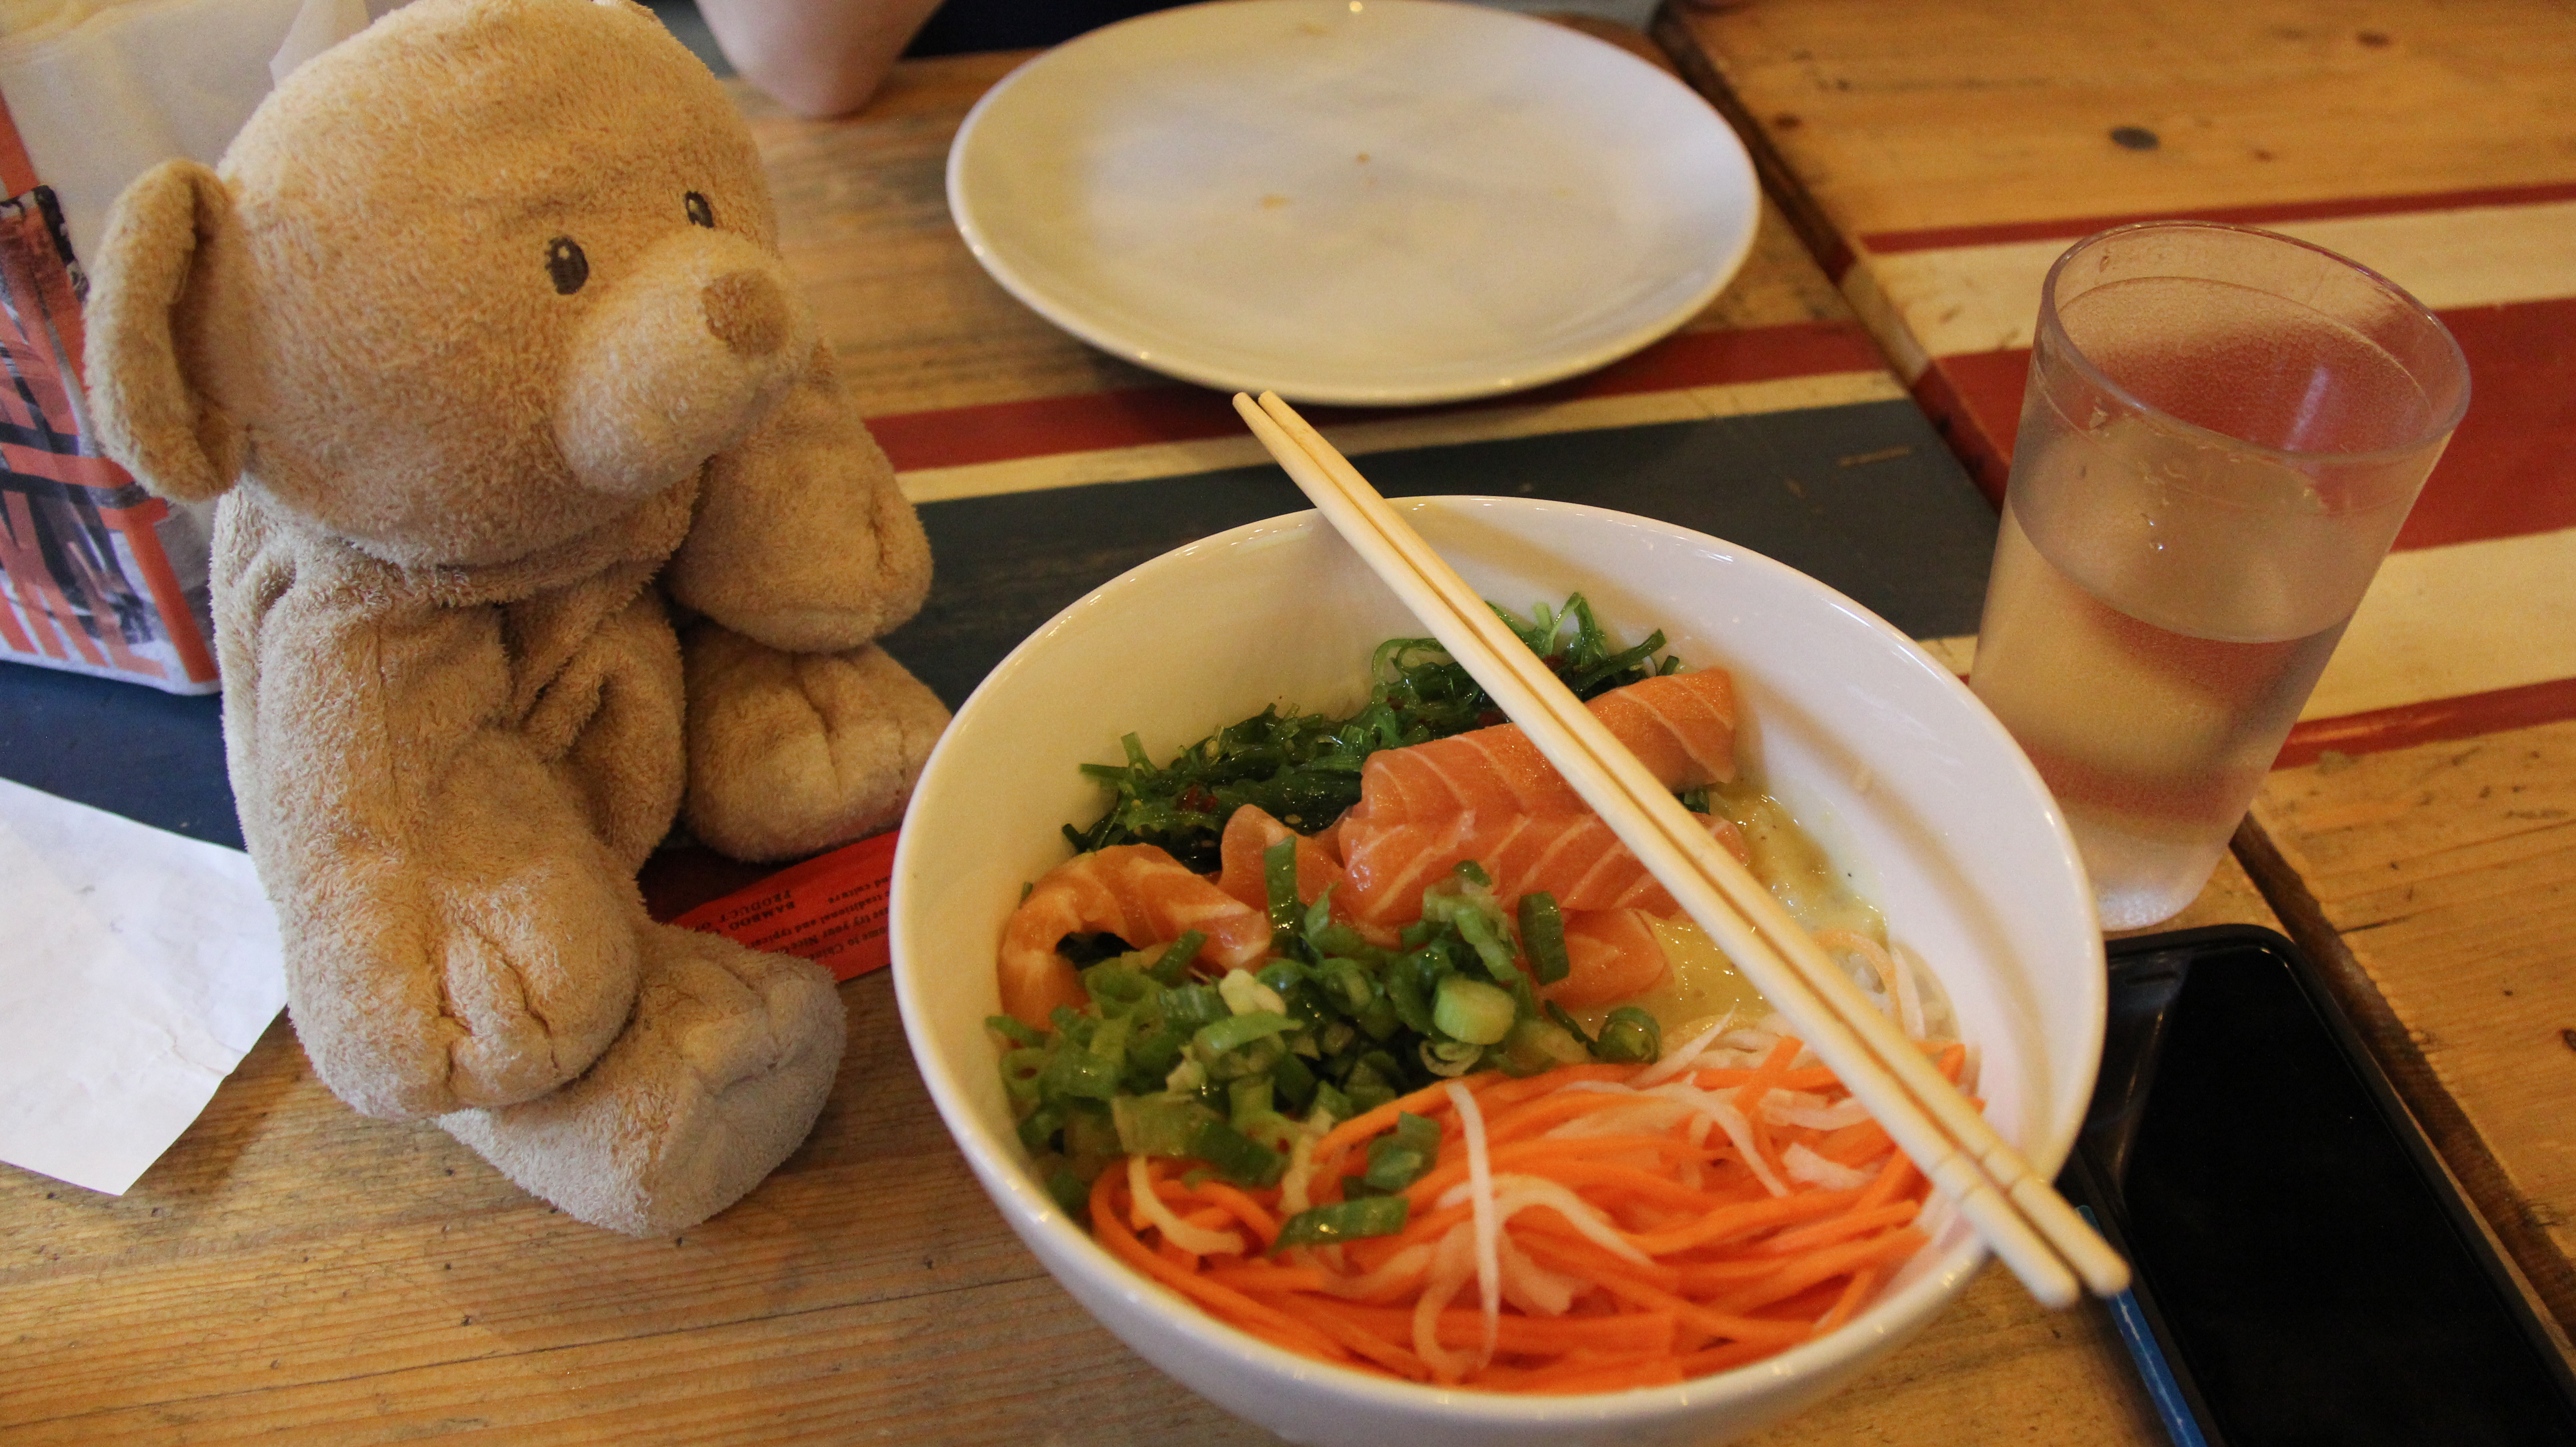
{"x": 1241, "y": 1207}
{"x": 1634, "y": 1255}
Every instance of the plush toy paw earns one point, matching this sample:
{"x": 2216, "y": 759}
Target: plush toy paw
{"x": 718, "y": 1077}
{"x": 419, "y": 986}
{"x": 793, "y": 753}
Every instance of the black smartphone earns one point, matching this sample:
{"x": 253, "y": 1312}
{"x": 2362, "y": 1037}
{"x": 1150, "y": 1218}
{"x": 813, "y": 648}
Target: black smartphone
{"x": 2305, "y": 1271}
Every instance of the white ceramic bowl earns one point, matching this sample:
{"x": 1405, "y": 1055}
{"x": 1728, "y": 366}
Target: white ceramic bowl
{"x": 1876, "y": 748}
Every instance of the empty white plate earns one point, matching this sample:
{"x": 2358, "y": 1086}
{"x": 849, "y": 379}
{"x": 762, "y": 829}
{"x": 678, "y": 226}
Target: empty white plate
{"x": 1355, "y": 201}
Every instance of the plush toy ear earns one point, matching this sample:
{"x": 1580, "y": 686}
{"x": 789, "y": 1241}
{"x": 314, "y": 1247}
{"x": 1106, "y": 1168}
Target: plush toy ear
{"x": 147, "y": 413}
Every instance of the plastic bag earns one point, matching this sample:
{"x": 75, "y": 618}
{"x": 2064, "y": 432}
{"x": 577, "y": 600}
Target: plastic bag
{"x": 96, "y": 575}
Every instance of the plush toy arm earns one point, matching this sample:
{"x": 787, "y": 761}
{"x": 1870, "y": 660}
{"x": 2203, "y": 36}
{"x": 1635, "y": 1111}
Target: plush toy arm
{"x": 803, "y": 541}
{"x": 456, "y": 934}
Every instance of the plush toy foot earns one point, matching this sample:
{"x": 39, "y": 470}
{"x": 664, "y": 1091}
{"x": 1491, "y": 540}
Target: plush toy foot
{"x": 717, "y": 1078}
{"x": 791, "y": 753}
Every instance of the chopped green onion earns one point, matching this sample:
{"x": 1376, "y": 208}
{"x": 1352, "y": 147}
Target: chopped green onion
{"x": 1479, "y": 930}
{"x": 1248, "y": 1098}
{"x": 1159, "y": 1125}
{"x": 1543, "y": 937}
{"x": 1237, "y": 1155}
{"x": 1294, "y": 1082}
{"x": 1535, "y": 1045}
{"x": 1021, "y": 1072}
{"x": 1191, "y": 1006}
{"x": 1079, "y": 1074}
{"x": 1118, "y": 990}
{"x": 1071, "y": 1196}
{"x": 1013, "y": 1031}
{"x": 1450, "y": 1059}
{"x": 1236, "y": 1031}
{"x": 1090, "y": 1139}
{"x": 1037, "y": 1128}
{"x": 1380, "y": 1019}
{"x": 1400, "y": 1157}
{"x": 1329, "y": 1099}
{"x": 1279, "y": 877}
{"x": 1245, "y": 994}
{"x": 1472, "y": 1011}
{"x": 1629, "y": 1036}
{"x": 1173, "y": 965}
{"x": 1367, "y": 1086}
{"x": 1344, "y": 1221}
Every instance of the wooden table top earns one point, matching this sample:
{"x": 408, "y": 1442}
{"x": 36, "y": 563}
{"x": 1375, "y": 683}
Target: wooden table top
{"x": 2420, "y": 835}
{"x": 292, "y": 1270}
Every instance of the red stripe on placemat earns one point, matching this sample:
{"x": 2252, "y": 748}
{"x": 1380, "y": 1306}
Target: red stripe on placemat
{"x": 1143, "y": 416}
{"x": 1958, "y": 394}
{"x": 17, "y": 173}
{"x": 2510, "y": 470}
{"x": 2432, "y": 721}
{"x": 1940, "y": 238}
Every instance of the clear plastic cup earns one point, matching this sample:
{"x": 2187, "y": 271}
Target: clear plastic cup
{"x": 2223, "y": 430}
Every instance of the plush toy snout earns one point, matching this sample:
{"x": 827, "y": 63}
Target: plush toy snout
{"x": 677, "y": 360}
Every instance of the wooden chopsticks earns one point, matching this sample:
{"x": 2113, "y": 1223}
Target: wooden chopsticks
{"x": 2013, "y": 1208}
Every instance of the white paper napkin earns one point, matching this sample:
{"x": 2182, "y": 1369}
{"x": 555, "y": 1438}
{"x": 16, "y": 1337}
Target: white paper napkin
{"x": 136, "y": 969}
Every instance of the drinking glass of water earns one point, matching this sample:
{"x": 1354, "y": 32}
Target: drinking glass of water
{"x": 2222, "y": 432}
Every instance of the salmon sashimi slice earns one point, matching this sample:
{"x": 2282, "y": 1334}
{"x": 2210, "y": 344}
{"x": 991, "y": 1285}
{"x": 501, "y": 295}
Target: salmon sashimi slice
{"x": 1134, "y": 891}
{"x": 1573, "y": 857}
{"x": 1613, "y": 954}
{"x": 1681, "y": 726}
{"x": 1249, "y": 832}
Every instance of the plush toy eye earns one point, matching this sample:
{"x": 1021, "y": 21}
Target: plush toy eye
{"x": 566, "y": 264}
{"x": 700, "y": 213}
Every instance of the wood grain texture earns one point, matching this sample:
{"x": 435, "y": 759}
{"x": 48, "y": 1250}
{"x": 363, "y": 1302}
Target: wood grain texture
{"x": 1894, "y": 115}
{"x": 2441, "y": 880}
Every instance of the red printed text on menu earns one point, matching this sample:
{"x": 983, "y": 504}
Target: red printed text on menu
{"x": 831, "y": 909}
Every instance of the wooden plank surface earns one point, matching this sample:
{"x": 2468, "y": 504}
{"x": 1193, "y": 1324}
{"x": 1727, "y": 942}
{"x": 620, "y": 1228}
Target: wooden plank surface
{"x": 1938, "y": 156}
{"x": 1900, "y": 117}
{"x": 2447, "y": 875}
{"x": 292, "y": 1271}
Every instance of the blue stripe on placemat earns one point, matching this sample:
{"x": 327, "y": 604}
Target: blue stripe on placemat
{"x": 1863, "y": 497}
{"x": 154, "y": 757}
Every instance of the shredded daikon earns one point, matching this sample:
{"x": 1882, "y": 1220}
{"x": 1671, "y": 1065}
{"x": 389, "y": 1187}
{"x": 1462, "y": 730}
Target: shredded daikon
{"x": 1805, "y": 1165}
{"x": 1648, "y": 1115}
{"x": 1532, "y": 1287}
{"x": 1397, "y": 1274}
{"x": 1480, "y": 1178}
{"x": 1909, "y": 991}
{"x": 1791, "y": 1107}
{"x": 1514, "y": 1194}
{"x": 1197, "y": 1240}
{"x": 1740, "y": 1131}
{"x": 1685, "y": 1058}
{"x": 1297, "y": 1182}
{"x": 1451, "y": 1267}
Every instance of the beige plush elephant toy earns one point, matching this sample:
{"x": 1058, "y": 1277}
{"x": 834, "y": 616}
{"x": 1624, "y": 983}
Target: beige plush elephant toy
{"x": 543, "y": 523}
